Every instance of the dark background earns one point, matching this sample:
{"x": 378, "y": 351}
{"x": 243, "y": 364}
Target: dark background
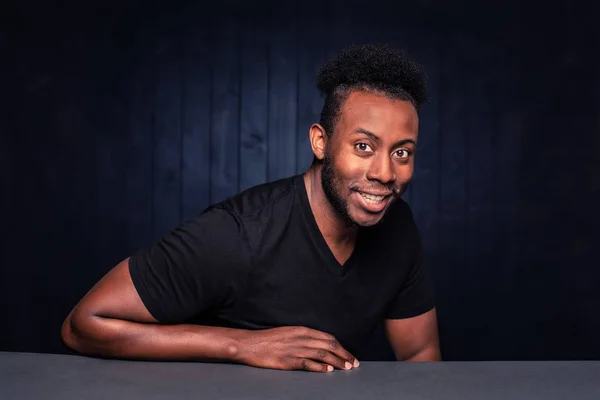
{"x": 121, "y": 119}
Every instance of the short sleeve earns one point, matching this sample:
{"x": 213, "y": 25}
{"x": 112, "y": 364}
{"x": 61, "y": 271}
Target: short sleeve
{"x": 196, "y": 268}
{"x": 416, "y": 295}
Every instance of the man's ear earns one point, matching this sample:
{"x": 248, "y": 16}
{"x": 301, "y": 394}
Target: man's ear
{"x": 318, "y": 141}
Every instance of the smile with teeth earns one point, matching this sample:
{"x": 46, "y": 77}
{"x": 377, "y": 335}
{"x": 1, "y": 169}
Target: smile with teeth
{"x": 372, "y": 199}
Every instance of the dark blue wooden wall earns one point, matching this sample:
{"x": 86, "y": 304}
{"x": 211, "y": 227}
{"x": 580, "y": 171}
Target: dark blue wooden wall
{"x": 123, "y": 120}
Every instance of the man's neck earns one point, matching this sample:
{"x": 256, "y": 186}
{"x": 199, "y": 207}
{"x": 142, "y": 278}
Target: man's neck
{"x": 335, "y": 229}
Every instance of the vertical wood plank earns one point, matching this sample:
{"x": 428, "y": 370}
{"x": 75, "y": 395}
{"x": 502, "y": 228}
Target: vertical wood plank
{"x": 283, "y": 92}
{"x": 590, "y": 299}
{"x": 225, "y": 117}
{"x": 139, "y": 201}
{"x": 510, "y": 127}
{"x": 453, "y": 189}
{"x": 109, "y": 120}
{"x": 6, "y": 182}
{"x": 254, "y": 99}
{"x": 426, "y": 180}
{"x": 167, "y": 130}
{"x": 34, "y": 167}
{"x": 479, "y": 129}
{"x": 197, "y": 74}
{"x": 8, "y": 230}
{"x": 338, "y": 36}
{"x": 453, "y": 153}
{"x": 311, "y": 53}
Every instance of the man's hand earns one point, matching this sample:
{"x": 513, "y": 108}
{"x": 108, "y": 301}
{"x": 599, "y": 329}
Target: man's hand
{"x": 293, "y": 348}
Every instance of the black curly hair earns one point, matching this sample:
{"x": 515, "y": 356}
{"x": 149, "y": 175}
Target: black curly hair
{"x": 370, "y": 67}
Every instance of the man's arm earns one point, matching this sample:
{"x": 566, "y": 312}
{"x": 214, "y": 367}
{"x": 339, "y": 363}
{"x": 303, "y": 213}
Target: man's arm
{"x": 111, "y": 321}
{"x": 415, "y": 338}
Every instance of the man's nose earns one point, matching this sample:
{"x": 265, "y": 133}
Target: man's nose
{"x": 382, "y": 170}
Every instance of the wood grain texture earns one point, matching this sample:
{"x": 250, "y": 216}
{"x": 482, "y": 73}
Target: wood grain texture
{"x": 254, "y": 97}
{"x": 167, "y": 129}
{"x": 139, "y": 160}
{"x": 124, "y": 124}
{"x": 196, "y": 114}
{"x": 283, "y": 91}
{"x": 225, "y": 107}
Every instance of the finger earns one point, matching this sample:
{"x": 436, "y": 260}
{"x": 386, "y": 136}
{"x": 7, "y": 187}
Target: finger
{"x": 315, "y": 334}
{"x": 334, "y": 347}
{"x": 333, "y": 342}
{"x": 310, "y": 365}
{"x": 324, "y": 356}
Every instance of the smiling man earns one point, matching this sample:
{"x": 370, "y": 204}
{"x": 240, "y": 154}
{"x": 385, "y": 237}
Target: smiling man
{"x": 296, "y": 273}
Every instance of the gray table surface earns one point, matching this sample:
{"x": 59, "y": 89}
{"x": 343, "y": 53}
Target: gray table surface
{"x": 53, "y": 376}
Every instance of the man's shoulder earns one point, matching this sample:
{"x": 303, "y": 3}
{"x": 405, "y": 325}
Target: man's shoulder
{"x": 257, "y": 198}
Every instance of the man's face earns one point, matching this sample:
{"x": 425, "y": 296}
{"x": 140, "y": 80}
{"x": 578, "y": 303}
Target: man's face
{"x": 369, "y": 158}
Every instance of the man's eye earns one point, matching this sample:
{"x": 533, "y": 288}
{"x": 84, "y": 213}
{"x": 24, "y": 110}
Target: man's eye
{"x": 363, "y": 147}
{"x": 402, "y": 153}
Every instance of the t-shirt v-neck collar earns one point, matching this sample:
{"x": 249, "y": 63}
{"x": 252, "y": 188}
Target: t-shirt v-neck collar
{"x": 339, "y": 270}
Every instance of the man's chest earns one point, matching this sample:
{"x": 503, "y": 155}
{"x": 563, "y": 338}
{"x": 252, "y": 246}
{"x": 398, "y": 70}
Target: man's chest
{"x": 293, "y": 287}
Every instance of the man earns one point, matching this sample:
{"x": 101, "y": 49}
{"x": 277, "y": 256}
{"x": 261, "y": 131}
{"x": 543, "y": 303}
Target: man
{"x": 291, "y": 274}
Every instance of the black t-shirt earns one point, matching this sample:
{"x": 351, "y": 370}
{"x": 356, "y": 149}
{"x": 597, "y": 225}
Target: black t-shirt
{"x": 258, "y": 260}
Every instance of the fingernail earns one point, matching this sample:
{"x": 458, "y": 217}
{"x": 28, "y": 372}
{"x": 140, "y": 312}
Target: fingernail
{"x": 329, "y": 368}
{"x": 356, "y": 363}
{"x": 348, "y": 365}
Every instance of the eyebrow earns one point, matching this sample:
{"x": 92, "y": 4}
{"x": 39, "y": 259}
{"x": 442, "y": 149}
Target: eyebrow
{"x": 378, "y": 139}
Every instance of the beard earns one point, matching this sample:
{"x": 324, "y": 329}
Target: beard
{"x": 330, "y": 183}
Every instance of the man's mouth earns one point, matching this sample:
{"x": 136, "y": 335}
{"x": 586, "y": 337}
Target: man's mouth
{"x": 374, "y": 203}
{"x": 373, "y": 199}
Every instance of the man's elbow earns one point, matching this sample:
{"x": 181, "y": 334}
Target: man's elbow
{"x": 67, "y": 335}
{"x": 82, "y": 333}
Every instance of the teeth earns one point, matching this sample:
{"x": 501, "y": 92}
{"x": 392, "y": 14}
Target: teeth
{"x": 372, "y": 199}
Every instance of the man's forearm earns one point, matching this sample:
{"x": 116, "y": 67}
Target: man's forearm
{"x": 114, "y": 338}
